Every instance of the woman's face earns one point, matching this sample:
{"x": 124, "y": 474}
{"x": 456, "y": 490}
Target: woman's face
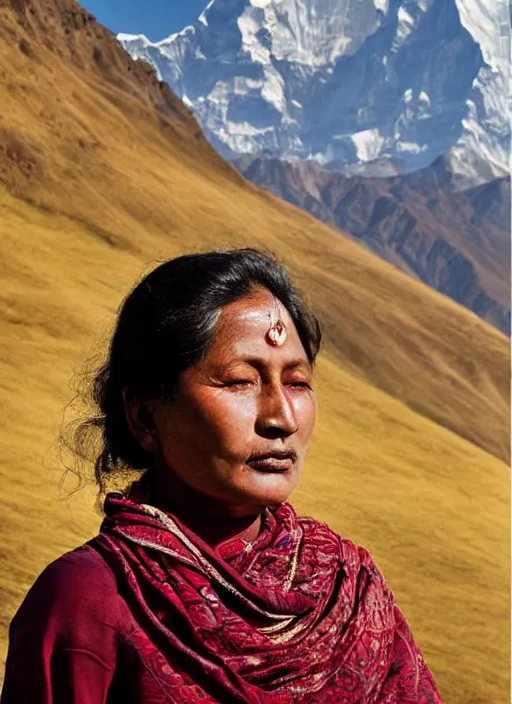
{"x": 239, "y": 424}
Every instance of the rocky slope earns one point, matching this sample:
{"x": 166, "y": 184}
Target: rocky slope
{"x": 457, "y": 242}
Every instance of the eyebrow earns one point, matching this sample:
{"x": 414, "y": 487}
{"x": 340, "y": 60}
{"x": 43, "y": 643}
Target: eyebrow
{"x": 259, "y": 362}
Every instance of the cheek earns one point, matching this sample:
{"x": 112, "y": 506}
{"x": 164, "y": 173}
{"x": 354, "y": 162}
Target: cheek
{"x": 305, "y": 412}
{"x": 227, "y": 422}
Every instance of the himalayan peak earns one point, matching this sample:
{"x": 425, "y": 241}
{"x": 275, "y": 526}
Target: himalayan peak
{"x": 361, "y": 87}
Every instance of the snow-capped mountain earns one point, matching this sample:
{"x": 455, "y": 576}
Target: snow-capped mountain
{"x": 373, "y": 87}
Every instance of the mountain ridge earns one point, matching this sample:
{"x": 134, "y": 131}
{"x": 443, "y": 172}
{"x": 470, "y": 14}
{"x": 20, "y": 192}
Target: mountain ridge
{"x": 354, "y": 86}
{"x": 456, "y": 242}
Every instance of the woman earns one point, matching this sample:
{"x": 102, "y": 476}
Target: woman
{"x": 203, "y": 585}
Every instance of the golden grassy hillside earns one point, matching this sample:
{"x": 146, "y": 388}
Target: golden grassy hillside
{"x": 102, "y": 174}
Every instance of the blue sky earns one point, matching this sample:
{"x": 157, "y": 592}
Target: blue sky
{"x": 154, "y": 18}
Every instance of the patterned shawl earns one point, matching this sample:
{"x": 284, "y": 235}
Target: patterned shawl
{"x": 299, "y": 615}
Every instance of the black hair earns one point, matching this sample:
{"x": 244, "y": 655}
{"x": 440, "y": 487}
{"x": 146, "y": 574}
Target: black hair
{"x": 167, "y": 323}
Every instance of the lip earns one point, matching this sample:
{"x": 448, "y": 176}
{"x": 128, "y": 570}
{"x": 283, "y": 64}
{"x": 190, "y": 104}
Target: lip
{"x": 278, "y": 462}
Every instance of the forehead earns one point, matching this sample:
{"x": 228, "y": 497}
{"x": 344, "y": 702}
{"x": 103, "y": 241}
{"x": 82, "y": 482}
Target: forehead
{"x": 243, "y": 325}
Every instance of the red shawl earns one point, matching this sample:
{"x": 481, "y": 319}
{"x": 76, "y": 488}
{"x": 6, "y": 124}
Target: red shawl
{"x": 298, "y": 616}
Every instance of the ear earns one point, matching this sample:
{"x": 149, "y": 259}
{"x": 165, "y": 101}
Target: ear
{"x": 139, "y": 417}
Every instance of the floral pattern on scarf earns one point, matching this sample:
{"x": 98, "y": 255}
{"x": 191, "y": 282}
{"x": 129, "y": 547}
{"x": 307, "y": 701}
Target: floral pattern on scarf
{"x": 299, "y": 616}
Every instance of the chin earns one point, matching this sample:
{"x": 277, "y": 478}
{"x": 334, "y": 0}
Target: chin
{"x": 274, "y": 490}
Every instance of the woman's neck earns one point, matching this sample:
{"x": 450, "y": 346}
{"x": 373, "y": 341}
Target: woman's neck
{"x": 207, "y": 518}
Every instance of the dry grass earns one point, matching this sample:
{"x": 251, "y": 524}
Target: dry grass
{"x": 411, "y": 449}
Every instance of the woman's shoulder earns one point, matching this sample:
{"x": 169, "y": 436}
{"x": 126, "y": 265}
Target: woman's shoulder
{"x": 71, "y": 616}
{"x": 78, "y": 583}
{"x": 79, "y": 568}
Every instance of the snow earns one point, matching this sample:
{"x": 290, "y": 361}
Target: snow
{"x": 313, "y": 32}
{"x": 122, "y": 37}
{"x": 410, "y": 147}
{"x": 368, "y": 144}
{"x": 273, "y": 90}
{"x": 477, "y": 146}
{"x": 487, "y": 21}
{"x": 382, "y": 5}
{"x": 202, "y": 17}
{"x": 243, "y": 85}
{"x": 279, "y": 62}
{"x": 404, "y": 29}
{"x": 248, "y": 27}
{"x": 489, "y": 24}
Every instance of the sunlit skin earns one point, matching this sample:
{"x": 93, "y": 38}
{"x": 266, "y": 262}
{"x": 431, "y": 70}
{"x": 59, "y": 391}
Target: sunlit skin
{"x": 244, "y": 398}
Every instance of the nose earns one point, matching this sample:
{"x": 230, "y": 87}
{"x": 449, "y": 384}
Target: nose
{"x": 276, "y": 417}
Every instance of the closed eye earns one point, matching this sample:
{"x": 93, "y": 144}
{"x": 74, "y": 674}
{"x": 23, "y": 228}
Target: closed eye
{"x": 239, "y": 382}
{"x": 301, "y": 384}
